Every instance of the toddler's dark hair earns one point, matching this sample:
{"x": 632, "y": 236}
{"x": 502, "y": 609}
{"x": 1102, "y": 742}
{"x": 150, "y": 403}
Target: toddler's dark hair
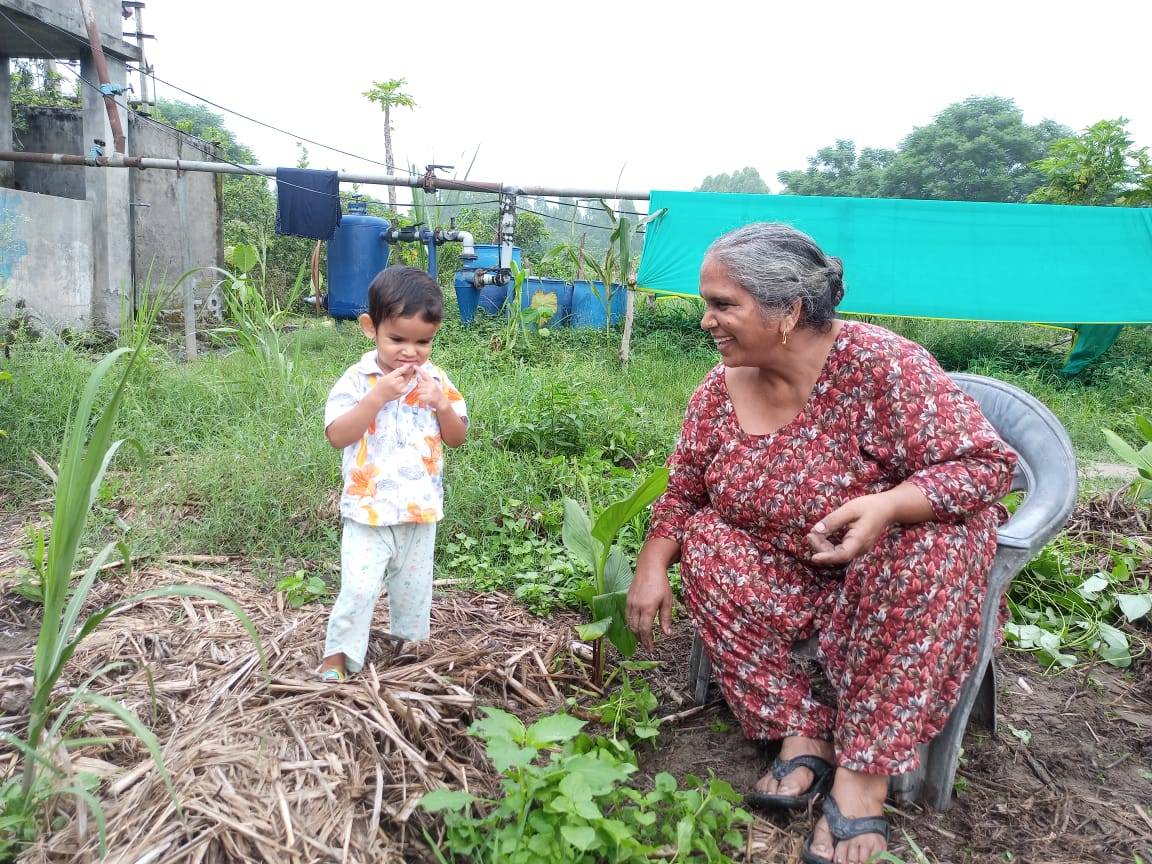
{"x": 401, "y": 292}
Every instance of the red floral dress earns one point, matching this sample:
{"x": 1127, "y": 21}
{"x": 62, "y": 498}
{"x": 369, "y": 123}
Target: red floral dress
{"x": 898, "y": 625}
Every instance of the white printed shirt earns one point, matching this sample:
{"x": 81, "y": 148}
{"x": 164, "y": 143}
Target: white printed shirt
{"x": 394, "y": 473}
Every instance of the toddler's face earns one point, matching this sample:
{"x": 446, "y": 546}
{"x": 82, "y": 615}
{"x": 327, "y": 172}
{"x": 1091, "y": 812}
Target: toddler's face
{"x": 401, "y": 341}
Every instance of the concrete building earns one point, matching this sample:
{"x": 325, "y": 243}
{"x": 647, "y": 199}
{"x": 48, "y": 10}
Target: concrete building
{"x": 78, "y": 243}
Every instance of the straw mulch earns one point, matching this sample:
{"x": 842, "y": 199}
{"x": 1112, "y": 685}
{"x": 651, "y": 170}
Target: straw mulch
{"x": 284, "y": 768}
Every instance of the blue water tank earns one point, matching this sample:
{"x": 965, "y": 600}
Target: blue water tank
{"x": 590, "y": 305}
{"x": 490, "y": 298}
{"x": 356, "y": 253}
{"x": 558, "y": 288}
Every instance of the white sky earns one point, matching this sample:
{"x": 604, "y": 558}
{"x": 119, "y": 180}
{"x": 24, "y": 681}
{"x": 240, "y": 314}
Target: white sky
{"x": 569, "y": 94}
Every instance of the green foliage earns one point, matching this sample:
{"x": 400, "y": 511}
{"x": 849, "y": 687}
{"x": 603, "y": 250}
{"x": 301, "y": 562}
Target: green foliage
{"x": 1140, "y": 459}
{"x": 35, "y": 84}
{"x": 627, "y": 709}
{"x": 1098, "y": 166}
{"x": 566, "y": 418}
{"x": 979, "y": 149}
{"x": 516, "y": 554}
{"x": 578, "y": 806}
{"x": 745, "y": 180}
{"x": 257, "y": 318}
{"x": 1061, "y": 606}
{"x": 300, "y": 589}
{"x": 839, "y": 171}
{"x": 87, "y": 451}
{"x": 593, "y": 543}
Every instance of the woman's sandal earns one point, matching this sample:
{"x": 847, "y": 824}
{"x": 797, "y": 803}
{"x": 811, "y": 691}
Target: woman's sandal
{"x": 842, "y": 828}
{"x": 822, "y": 772}
{"x": 331, "y": 675}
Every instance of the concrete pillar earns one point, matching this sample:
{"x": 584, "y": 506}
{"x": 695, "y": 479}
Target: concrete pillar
{"x": 108, "y": 191}
{"x": 6, "y": 173}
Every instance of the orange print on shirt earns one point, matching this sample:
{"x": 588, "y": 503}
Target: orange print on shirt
{"x": 363, "y": 482}
{"x": 432, "y": 460}
{"x": 453, "y": 394}
{"x": 417, "y": 513}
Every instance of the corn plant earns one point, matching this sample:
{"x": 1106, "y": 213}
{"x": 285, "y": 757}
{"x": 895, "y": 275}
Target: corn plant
{"x": 594, "y": 544}
{"x": 87, "y": 450}
{"x": 1140, "y": 459}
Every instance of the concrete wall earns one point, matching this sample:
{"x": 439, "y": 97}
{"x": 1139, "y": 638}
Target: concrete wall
{"x": 182, "y": 226}
{"x": 46, "y": 258}
{"x": 52, "y": 130}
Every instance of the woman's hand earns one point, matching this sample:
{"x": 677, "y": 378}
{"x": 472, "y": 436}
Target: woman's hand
{"x": 862, "y": 520}
{"x": 650, "y": 596}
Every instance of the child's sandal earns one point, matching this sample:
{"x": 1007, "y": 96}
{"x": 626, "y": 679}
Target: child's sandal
{"x": 332, "y": 676}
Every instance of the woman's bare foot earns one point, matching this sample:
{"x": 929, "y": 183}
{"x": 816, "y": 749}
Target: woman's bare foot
{"x": 797, "y": 781}
{"x": 857, "y": 795}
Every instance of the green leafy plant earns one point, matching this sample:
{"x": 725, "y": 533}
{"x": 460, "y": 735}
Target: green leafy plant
{"x": 1062, "y": 608}
{"x": 627, "y": 710}
{"x": 594, "y": 544}
{"x": 577, "y": 805}
{"x": 524, "y": 321}
{"x": 300, "y": 589}
{"x": 87, "y": 450}
{"x": 257, "y": 318}
{"x": 1140, "y": 459}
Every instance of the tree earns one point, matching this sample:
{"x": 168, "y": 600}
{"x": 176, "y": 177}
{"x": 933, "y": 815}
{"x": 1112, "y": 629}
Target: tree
{"x": 838, "y": 170}
{"x": 1098, "y": 166}
{"x": 979, "y": 149}
{"x": 388, "y": 95}
{"x": 745, "y": 180}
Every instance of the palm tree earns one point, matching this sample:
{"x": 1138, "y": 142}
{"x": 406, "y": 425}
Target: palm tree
{"x": 387, "y": 94}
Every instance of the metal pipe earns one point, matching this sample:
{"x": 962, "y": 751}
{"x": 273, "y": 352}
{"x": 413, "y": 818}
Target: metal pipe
{"x": 145, "y": 162}
{"x": 102, "y": 73}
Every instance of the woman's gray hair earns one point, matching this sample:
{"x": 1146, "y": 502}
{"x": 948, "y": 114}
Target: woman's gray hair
{"x": 779, "y": 265}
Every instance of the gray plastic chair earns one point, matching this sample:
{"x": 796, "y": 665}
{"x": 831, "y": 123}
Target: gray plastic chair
{"x": 1047, "y": 475}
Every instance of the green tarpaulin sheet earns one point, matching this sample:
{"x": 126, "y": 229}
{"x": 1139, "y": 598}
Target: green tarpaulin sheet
{"x": 934, "y": 259}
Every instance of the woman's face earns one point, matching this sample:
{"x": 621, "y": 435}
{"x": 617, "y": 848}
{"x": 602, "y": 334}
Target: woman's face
{"x": 734, "y": 319}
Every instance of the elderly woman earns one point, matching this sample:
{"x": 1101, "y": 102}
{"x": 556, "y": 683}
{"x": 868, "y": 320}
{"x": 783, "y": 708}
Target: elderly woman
{"x": 829, "y": 479}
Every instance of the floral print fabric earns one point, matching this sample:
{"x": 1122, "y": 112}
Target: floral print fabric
{"x": 394, "y": 473}
{"x": 898, "y": 625}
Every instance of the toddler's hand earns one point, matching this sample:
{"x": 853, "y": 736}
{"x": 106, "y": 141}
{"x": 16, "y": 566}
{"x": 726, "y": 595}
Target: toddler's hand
{"x": 430, "y": 391}
{"x": 393, "y": 385}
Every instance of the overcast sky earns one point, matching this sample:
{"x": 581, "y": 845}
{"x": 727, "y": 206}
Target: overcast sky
{"x": 568, "y": 94}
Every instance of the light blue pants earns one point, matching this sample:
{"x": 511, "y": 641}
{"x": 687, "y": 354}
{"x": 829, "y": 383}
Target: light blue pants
{"x": 399, "y": 556}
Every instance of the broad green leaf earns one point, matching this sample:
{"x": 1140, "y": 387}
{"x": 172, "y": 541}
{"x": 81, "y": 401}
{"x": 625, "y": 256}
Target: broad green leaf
{"x": 453, "y": 800}
{"x": 614, "y": 606}
{"x": 244, "y": 257}
{"x": 600, "y": 775}
{"x": 577, "y": 534}
{"x": 582, "y": 837}
{"x": 617, "y": 571}
{"x": 506, "y": 754}
{"x": 553, "y": 729}
{"x": 609, "y": 523}
{"x": 575, "y": 788}
{"x": 1145, "y": 427}
{"x": 592, "y": 632}
{"x": 1113, "y": 646}
{"x": 1091, "y": 587}
{"x": 1134, "y": 606}
{"x": 498, "y": 724}
{"x": 1124, "y": 450}
{"x": 684, "y": 829}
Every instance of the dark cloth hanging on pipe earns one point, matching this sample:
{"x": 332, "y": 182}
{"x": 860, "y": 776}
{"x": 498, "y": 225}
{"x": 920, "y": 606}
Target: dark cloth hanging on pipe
{"x": 307, "y": 203}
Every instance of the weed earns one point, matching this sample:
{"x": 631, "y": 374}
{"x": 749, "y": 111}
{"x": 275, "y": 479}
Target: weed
{"x": 300, "y": 589}
{"x": 578, "y": 806}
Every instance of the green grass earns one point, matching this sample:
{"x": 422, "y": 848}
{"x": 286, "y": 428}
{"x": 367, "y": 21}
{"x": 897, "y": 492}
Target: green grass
{"x": 237, "y": 464}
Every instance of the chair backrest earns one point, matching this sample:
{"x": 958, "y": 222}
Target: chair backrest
{"x": 1047, "y": 466}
